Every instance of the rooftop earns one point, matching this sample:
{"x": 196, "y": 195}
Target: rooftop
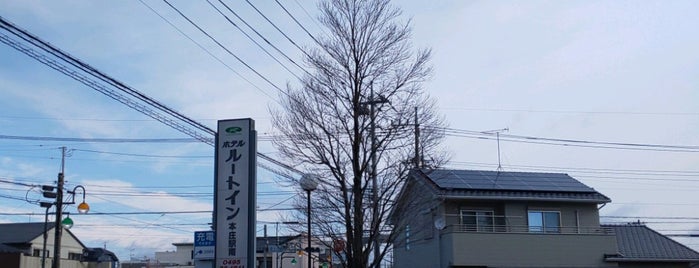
{"x": 481, "y": 184}
{"x": 636, "y": 242}
{"x": 21, "y": 232}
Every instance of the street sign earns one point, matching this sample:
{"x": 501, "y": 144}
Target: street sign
{"x": 276, "y": 248}
{"x": 204, "y": 245}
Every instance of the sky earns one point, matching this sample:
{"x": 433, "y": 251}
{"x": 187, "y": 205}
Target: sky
{"x": 605, "y": 91}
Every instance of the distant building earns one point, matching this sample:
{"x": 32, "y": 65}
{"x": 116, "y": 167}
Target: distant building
{"x": 21, "y": 246}
{"x": 181, "y": 257}
{"x": 471, "y": 218}
{"x": 271, "y": 252}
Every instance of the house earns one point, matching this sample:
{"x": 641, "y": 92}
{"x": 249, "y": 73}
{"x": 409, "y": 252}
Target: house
{"x": 472, "y": 218}
{"x": 22, "y": 244}
{"x": 639, "y": 245}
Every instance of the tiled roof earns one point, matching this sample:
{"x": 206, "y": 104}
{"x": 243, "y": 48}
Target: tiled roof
{"x": 503, "y": 185}
{"x": 21, "y": 232}
{"x": 636, "y": 242}
{"x": 14, "y": 234}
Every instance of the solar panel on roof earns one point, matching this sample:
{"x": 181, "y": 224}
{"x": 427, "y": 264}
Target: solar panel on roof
{"x": 501, "y": 180}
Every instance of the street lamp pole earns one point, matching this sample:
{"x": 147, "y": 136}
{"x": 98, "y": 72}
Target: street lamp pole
{"x": 309, "y": 228}
{"x": 82, "y": 209}
{"x": 308, "y": 184}
{"x": 46, "y": 205}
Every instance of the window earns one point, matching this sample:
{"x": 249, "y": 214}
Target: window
{"x": 74, "y": 256}
{"x": 407, "y": 237}
{"x": 37, "y": 253}
{"x": 477, "y": 220}
{"x": 544, "y": 221}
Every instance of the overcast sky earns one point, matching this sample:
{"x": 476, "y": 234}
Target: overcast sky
{"x": 619, "y": 74}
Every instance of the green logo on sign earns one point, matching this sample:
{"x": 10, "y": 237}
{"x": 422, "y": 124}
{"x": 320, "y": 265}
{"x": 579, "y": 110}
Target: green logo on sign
{"x": 233, "y": 130}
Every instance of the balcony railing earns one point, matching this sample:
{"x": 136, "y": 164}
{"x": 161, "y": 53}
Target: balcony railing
{"x": 468, "y": 228}
{"x": 503, "y": 224}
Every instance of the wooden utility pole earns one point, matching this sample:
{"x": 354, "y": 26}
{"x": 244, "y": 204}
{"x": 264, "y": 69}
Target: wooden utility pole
{"x": 58, "y": 229}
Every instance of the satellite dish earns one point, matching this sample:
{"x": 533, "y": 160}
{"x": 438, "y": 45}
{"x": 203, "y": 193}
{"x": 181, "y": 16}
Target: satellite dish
{"x": 439, "y": 223}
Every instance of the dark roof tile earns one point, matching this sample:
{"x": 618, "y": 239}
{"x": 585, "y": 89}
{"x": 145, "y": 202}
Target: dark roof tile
{"x": 511, "y": 185}
{"x": 21, "y": 232}
{"x": 638, "y": 242}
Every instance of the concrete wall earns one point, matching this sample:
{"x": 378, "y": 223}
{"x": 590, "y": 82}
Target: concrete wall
{"x": 526, "y": 250}
{"x": 34, "y": 262}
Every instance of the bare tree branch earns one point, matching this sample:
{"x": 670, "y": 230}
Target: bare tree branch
{"x": 325, "y": 128}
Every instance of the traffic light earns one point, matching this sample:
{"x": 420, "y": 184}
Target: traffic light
{"x": 48, "y": 191}
{"x": 293, "y": 261}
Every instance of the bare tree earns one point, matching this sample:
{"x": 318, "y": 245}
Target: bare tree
{"x": 362, "y": 100}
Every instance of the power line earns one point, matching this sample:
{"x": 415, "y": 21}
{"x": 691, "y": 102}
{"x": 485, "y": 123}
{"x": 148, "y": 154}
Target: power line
{"x": 140, "y": 212}
{"x": 2, "y": 180}
{"x": 208, "y": 52}
{"x": 644, "y": 172}
{"x": 260, "y": 35}
{"x": 117, "y": 140}
{"x": 295, "y": 20}
{"x": 144, "y": 155}
{"x": 649, "y": 217}
{"x": 12, "y": 197}
{"x": 571, "y": 111}
{"x": 308, "y": 14}
{"x": 568, "y": 142}
{"x": 225, "y": 48}
{"x": 34, "y": 40}
{"x": 280, "y": 30}
{"x": 88, "y": 71}
{"x": 104, "y": 140}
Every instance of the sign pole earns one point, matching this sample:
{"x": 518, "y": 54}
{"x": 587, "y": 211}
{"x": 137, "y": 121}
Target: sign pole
{"x": 235, "y": 193}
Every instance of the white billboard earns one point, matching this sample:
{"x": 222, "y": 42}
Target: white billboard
{"x": 234, "y": 192}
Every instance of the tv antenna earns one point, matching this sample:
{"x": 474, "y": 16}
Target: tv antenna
{"x": 497, "y": 137}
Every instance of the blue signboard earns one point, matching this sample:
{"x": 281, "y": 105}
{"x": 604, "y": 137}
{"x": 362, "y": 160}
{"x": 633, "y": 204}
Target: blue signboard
{"x": 204, "y": 245}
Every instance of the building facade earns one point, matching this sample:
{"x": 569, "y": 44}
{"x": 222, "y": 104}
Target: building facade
{"x": 22, "y": 244}
{"x": 469, "y": 218}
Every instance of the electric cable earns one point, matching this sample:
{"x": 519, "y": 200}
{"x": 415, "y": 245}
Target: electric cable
{"x": 209, "y": 52}
{"x": 225, "y": 48}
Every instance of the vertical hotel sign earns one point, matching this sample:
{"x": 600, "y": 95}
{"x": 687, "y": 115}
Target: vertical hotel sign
{"x": 235, "y": 193}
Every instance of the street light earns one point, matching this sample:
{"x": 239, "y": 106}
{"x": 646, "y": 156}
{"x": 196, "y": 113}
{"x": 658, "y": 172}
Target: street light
{"x": 67, "y": 222}
{"x": 83, "y": 207}
{"x": 308, "y": 184}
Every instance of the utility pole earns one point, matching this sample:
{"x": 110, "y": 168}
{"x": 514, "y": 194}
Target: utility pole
{"x": 264, "y": 252}
{"x": 374, "y": 191}
{"x": 374, "y": 163}
{"x": 417, "y": 142}
{"x": 58, "y": 229}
